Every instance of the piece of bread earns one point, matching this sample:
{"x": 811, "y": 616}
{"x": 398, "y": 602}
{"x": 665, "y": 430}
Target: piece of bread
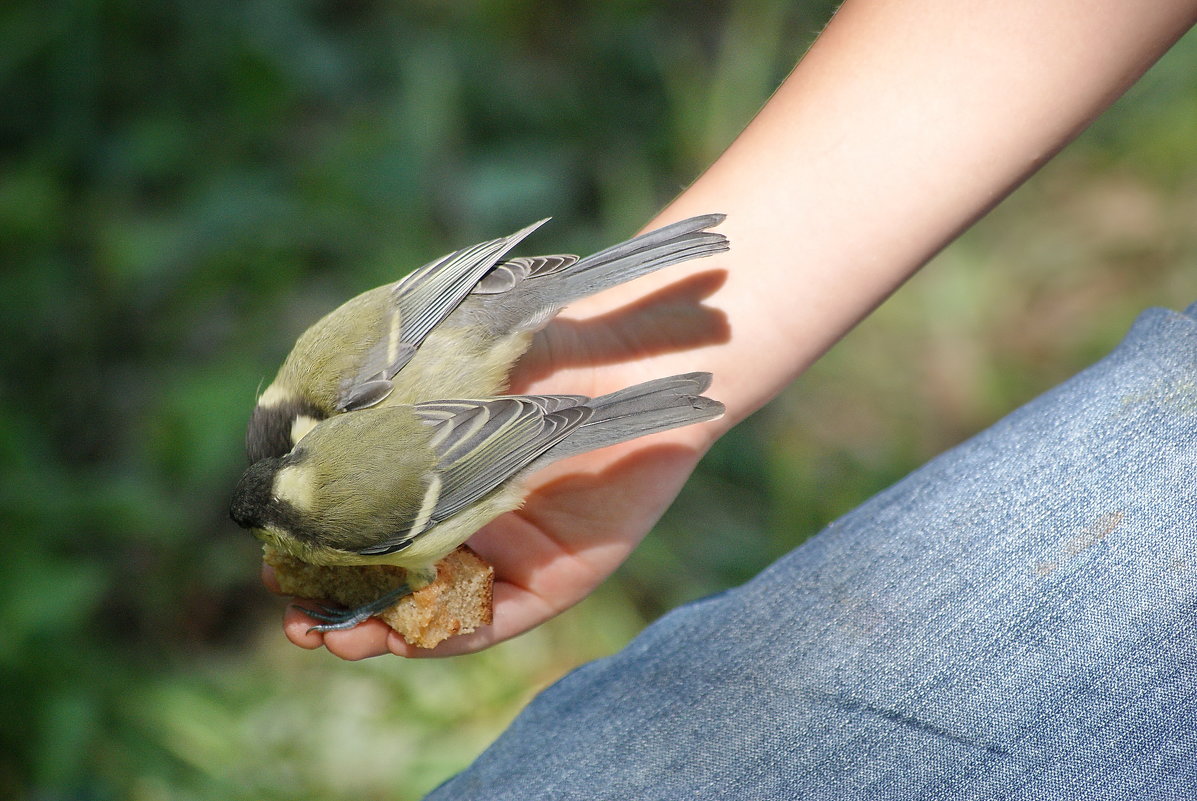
{"x": 458, "y": 602}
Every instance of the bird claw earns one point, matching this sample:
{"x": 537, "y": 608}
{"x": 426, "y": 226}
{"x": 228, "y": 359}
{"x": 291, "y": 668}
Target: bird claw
{"x": 335, "y": 619}
{"x": 328, "y": 614}
{"x": 339, "y": 619}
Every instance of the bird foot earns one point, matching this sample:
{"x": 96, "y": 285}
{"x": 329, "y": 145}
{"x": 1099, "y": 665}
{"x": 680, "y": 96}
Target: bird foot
{"x": 340, "y": 619}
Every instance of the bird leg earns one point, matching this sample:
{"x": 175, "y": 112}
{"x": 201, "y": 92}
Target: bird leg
{"x": 341, "y": 619}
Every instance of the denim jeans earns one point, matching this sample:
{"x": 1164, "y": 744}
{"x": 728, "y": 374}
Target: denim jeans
{"x": 1015, "y": 620}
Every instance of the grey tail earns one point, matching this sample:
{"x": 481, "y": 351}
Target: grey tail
{"x": 636, "y": 411}
{"x": 677, "y": 242}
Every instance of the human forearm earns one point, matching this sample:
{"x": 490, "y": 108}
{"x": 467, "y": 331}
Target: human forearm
{"x": 903, "y": 124}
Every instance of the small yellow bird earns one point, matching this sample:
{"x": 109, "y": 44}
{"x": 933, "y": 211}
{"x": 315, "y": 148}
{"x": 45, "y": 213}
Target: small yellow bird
{"x": 406, "y": 484}
{"x": 452, "y": 328}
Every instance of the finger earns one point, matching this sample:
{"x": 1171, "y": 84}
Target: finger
{"x": 363, "y": 641}
{"x": 297, "y": 627}
{"x": 270, "y": 579}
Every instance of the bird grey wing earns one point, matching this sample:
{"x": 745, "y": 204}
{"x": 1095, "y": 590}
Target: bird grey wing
{"x": 419, "y": 302}
{"x": 484, "y": 443}
{"x": 481, "y": 444}
{"x": 438, "y": 410}
{"x": 508, "y": 273}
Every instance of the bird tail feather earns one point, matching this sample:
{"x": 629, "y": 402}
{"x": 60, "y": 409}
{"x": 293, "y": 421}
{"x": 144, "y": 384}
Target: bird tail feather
{"x": 636, "y": 411}
{"x": 677, "y": 242}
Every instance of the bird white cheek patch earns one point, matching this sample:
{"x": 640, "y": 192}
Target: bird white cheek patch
{"x": 300, "y": 428}
{"x": 293, "y": 485}
{"x": 274, "y": 396}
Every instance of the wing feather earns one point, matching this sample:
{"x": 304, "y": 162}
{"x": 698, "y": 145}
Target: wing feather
{"x": 419, "y": 302}
{"x": 510, "y": 272}
{"x": 487, "y": 443}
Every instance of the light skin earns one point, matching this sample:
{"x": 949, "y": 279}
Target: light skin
{"x": 905, "y": 123}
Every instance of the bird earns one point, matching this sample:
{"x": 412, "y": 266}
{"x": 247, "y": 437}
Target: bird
{"x": 407, "y": 484}
{"x": 452, "y": 328}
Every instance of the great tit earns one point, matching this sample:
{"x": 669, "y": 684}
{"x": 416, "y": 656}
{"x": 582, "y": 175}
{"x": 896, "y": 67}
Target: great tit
{"x": 406, "y": 484}
{"x": 453, "y": 328}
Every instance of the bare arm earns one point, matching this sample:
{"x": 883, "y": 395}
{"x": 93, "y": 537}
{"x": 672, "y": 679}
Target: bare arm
{"x": 905, "y": 122}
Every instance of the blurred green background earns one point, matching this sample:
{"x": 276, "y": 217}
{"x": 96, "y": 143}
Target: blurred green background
{"x": 185, "y": 186}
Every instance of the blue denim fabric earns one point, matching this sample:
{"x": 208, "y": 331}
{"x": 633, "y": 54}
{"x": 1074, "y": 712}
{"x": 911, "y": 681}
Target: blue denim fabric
{"x": 1015, "y": 620}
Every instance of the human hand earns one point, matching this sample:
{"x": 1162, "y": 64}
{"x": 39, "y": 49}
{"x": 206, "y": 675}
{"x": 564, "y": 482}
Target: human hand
{"x": 583, "y": 516}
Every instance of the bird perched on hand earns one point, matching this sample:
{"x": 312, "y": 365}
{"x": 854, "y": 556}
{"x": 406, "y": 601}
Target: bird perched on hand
{"x": 452, "y": 328}
{"x": 405, "y": 485}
